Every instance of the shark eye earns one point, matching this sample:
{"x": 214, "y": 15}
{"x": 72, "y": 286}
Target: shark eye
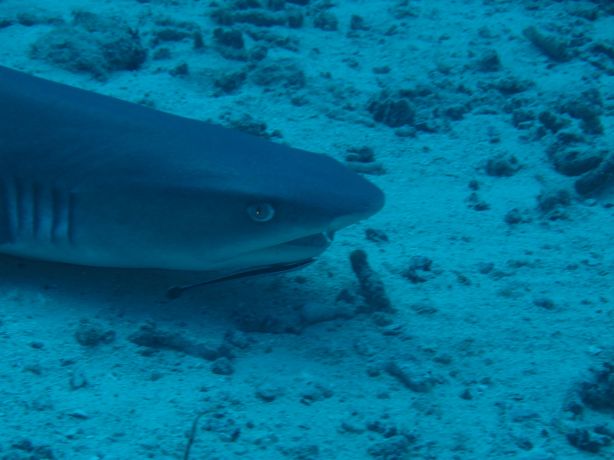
{"x": 261, "y": 212}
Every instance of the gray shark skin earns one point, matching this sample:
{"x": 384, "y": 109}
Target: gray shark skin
{"x": 91, "y": 180}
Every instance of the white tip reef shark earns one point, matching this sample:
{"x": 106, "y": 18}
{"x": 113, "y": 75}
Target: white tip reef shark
{"x": 92, "y": 180}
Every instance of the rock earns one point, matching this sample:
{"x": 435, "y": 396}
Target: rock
{"x": 362, "y": 160}
{"x": 151, "y": 337}
{"x": 170, "y": 34}
{"x": 523, "y": 119}
{"x": 371, "y": 286}
{"x": 278, "y": 323}
{"x": 588, "y": 441}
{"x": 510, "y": 85}
{"x": 391, "y": 111}
{"x": 162, "y": 54}
{"x": 575, "y": 161}
{"x": 180, "y": 70}
{"x": 544, "y": 302}
{"x": 295, "y": 19}
{"x": 552, "y": 122}
{"x": 222, "y": 366}
{"x": 92, "y": 44}
{"x": 598, "y": 179}
{"x": 283, "y": 73}
{"x": 598, "y": 392}
{"x": 396, "y": 447}
{"x": 253, "y": 16}
{"x": 231, "y": 38}
{"x": 349, "y": 425}
{"x": 91, "y": 334}
{"x": 360, "y": 154}
{"x": 29, "y": 19}
{"x": 419, "y": 269}
{"x": 551, "y": 46}
{"x": 229, "y": 82}
{"x": 383, "y": 427}
{"x": 551, "y": 200}
{"x": 34, "y": 452}
{"x": 301, "y": 452}
{"x": 419, "y": 383}
{"x": 248, "y": 124}
{"x": 424, "y": 308}
{"x": 375, "y": 235}
{"x": 489, "y": 61}
{"x": 316, "y": 312}
{"x": 6, "y": 22}
{"x": 587, "y": 106}
{"x": 269, "y": 393}
{"x": 502, "y": 165}
{"x": 456, "y": 112}
{"x": 518, "y": 216}
{"x": 78, "y": 379}
{"x": 358, "y": 23}
{"x": 314, "y": 391}
{"x": 326, "y": 20}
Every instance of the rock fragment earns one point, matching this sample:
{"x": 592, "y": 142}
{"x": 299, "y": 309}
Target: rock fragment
{"x": 92, "y": 44}
{"x": 371, "y": 286}
{"x": 91, "y": 334}
{"x": 151, "y": 337}
{"x": 551, "y": 46}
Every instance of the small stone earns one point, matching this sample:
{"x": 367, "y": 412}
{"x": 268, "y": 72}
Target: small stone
{"x": 517, "y": 216}
{"x": 502, "y": 165}
{"x": 391, "y": 111}
{"x": 489, "y": 62}
{"x": 326, "y": 20}
{"x": 544, "y": 302}
{"x": 229, "y": 37}
{"x": 417, "y": 383}
{"x": 371, "y": 285}
{"x": 90, "y": 334}
{"x": 231, "y": 81}
{"x": 395, "y": 447}
{"x": 598, "y": 179}
{"x": 269, "y": 393}
{"x": 314, "y": 392}
{"x": 550, "y": 200}
{"x": 598, "y": 392}
{"x": 377, "y": 236}
{"x": 180, "y": 70}
{"x": 295, "y": 19}
{"x": 588, "y": 441}
{"x": 551, "y": 46}
{"x": 78, "y": 380}
{"x": 358, "y": 23}
{"x": 222, "y": 366}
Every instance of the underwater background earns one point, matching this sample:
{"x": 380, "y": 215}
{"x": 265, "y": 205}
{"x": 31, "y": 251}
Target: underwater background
{"x": 471, "y": 318}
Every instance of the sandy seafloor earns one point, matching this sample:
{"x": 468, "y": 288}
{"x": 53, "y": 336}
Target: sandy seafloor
{"x": 499, "y": 343}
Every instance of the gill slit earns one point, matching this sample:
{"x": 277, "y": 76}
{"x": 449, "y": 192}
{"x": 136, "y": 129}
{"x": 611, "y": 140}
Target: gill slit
{"x": 36, "y": 213}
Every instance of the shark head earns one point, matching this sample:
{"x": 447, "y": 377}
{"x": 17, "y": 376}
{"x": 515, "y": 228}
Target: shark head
{"x": 288, "y": 211}
{"x": 270, "y": 208}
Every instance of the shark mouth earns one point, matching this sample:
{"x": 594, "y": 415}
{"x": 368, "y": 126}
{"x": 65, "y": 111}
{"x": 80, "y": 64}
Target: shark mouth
{"x": 176, "y": 291}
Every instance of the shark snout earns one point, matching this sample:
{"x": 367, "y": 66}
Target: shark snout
{"x": 353, "y": 200}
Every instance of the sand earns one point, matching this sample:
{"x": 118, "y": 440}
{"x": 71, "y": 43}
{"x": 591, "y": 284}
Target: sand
{"x": 498, "y": 343}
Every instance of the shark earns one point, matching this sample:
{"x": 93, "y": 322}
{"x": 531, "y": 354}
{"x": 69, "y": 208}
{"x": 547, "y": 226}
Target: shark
{"x": 92, "y": 180}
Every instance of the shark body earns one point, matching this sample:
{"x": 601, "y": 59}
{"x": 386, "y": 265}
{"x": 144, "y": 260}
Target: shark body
{"x": 92, "y": 180}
